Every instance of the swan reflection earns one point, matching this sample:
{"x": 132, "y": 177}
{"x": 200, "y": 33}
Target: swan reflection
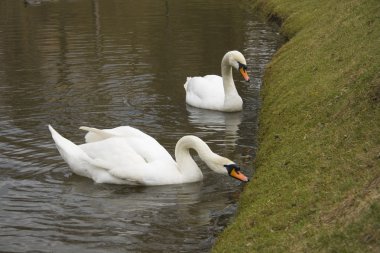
{"x": 225, "y": 125}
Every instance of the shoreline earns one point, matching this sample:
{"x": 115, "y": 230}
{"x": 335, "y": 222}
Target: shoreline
{"x": 317, "y": 181}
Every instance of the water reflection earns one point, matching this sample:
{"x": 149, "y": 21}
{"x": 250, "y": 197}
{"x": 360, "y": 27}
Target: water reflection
{"x": 106, "y": 63}
{"x": 226, "y": 125}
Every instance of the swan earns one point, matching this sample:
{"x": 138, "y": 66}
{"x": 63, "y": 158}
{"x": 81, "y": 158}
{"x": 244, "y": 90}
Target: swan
{"x": 126, "y": 155}
{"x": 218, "y": 93}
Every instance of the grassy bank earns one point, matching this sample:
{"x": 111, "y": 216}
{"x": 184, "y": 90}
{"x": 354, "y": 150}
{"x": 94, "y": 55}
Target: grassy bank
{"x": 316, "y": 188}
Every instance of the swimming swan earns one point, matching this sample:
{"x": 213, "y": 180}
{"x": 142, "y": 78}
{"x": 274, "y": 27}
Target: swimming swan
{"x": 125, "y": 155}
{"x": 218, "y": 93}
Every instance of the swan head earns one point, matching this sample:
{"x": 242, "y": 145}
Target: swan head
{"x": 237, "y": 60}
{"x": 234, "y": 171}
{"x": 225, "y": 166}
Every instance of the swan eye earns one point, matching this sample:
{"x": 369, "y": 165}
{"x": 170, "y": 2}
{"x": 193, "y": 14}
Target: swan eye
{"x": 231, "y": 167}
{"x": 242, "y": 66}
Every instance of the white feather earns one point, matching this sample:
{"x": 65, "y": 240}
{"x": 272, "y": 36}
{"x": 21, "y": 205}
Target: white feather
{"x": 214, "y": 92}
{"x": 125, "y": 155}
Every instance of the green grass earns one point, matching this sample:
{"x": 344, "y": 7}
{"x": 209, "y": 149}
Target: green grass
{"x": 316, "y": 188}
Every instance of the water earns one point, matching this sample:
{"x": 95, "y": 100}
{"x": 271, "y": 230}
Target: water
{"x": 106, "y": 63}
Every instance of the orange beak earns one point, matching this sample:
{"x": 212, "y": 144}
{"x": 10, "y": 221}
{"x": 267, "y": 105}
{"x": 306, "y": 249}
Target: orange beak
{"x": 244, "y": 74}
{"x": 238, "y": 175}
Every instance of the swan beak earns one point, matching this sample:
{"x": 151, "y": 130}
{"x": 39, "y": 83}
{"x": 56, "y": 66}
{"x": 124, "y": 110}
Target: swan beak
{"x": 238, "y": 175}
{"x": 244, "y": 73}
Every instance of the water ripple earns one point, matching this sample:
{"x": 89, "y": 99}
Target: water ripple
{"x": 111, "y": 63}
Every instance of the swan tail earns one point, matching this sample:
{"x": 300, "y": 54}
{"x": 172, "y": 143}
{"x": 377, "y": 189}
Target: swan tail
{"x": 69, "y": 151}
{"x": 60, "y": 141}
{"x": 79, "y": 162}
{"x": 187, "y": 81}
{"x": 95, "y": 134}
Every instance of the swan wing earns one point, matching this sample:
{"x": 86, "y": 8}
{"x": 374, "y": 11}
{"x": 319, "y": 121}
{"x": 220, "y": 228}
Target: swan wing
{"x": 205, "y": 92}
{"x": 130, "y": 159}
{"x": 95, "y": 134}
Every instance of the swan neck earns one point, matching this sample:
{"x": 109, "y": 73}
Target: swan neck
{"x": 185, "y": 162}
{"x": 228, "y": 81}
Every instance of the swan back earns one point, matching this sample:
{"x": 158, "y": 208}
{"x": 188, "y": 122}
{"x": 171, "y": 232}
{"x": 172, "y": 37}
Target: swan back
{"x": 143, "y": 144}
{"x": 119, "y": 159}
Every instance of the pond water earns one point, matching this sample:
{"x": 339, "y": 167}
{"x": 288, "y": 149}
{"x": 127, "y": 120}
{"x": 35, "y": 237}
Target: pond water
{"x": 106, "y": 63}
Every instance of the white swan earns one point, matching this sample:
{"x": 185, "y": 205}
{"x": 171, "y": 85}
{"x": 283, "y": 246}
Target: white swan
{"x": 125, "y": 155}
{"x": 218, "y": 93}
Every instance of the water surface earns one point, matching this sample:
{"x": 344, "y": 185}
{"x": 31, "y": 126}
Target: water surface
{"x": 106, "y": 63}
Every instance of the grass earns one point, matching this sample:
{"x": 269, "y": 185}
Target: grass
{"x": 316, "y": 188}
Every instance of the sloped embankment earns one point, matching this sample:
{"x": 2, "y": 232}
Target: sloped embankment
{"x": 316, "y": 188}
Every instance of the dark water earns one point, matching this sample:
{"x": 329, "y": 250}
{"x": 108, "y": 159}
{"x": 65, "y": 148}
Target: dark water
{"x": 106, "y": 63}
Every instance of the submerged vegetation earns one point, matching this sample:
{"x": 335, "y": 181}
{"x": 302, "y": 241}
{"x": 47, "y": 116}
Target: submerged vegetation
{"x": 316, "y": 188}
